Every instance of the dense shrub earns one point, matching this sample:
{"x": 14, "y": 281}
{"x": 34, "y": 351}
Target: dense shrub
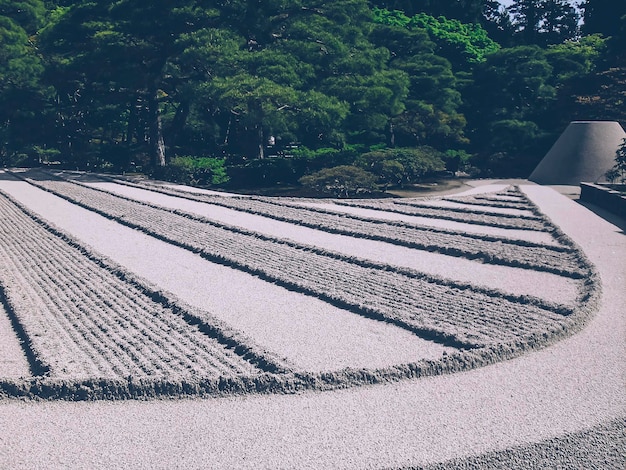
{"x": 402, "y": 165}
{"x": 196, "y": 171}
{"x": 341, "y": 181}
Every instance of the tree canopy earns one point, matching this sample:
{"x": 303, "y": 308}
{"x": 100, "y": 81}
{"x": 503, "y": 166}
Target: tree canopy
{"x": 291, "y": 87}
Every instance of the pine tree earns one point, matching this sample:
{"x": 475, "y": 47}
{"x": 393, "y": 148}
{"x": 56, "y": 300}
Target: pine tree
{"x": 603, "y": 16}
{"x": 20, "y": 72}
{"x": 544, "y": 22}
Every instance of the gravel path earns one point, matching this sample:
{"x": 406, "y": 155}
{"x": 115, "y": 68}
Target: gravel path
{"x": 529, "y": 407}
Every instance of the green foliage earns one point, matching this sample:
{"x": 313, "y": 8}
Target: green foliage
{"x": 469, "y": 42}
{"x": 459, "y": 160}
{"x": 120, "y": 55}
{"x": 400, "y": 166}
{"x": 46, "y": 156}
{"x": 292, "y": 77}
{"x": 515, "y": 148}
{"x": 619, "y": 169}
{"x": 466, "y": 11}
{"x": 21, "y": 68}
{"x": 265, "y": 108}
{"x": 390, "y": 17}
{"x": 373, "y": 98}
{"x": 526, "y": 72}
{"x": 112, "y": 82}
{"x": 522, "y": 97}
{"x": 461, "y": 155}
{"x": 601, "y": 93}
{"x": 196, "y": 171}
{"x": 459, "y": 42}
{"x": 341, "y": 181}
{"x": 512, "y": 136}
{"x": 28, "y": 14}
{"x": 311, "y": 160}
{"x": 312, "y": 154}
{"x": 430, "y": 114}
{"x": 573, "y": 59}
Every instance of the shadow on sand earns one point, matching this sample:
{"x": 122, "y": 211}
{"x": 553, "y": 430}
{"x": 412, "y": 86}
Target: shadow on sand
{"x": 606, "y": 215}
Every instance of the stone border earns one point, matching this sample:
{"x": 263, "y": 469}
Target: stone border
{"x": 605, "y": 197}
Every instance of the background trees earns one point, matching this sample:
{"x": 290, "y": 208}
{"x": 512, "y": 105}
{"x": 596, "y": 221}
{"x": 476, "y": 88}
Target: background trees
{"x": 603, "y": 16}
{"x": 517, "y": 82}
{"x": 114, "y": 65}
{"x": 274, "y": 90}
{"x": 21, "y": 92}
{"x": 430, "y": 113}
{"x": 544, "y": 22}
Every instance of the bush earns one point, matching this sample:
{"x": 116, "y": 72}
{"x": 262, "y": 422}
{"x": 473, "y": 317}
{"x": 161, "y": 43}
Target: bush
{"x": 402, "y": 165}
{"x": 195, "y": 171}
{"x": 515, "y": 148}
{"x": 267, "y": 172}
{"x": 341, "y": 181}
{"x": 326, "y": 157}
{"x": 458, "y": 160}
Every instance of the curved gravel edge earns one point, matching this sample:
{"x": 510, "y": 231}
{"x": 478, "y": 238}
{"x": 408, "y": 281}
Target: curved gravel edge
{"x": 289, "y": 382}
{"x": 602, "y": 447}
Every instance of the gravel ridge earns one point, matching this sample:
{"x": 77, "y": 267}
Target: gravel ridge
{"x": 491, "y": 348}
{"x": 84, "y": 196}
{"x": 603, "y": 447}
{"x": 284, "y": 321}
{"x": 510, "y": 279}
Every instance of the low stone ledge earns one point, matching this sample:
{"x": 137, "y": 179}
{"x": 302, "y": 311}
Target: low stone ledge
{"x": 605, "y": 196}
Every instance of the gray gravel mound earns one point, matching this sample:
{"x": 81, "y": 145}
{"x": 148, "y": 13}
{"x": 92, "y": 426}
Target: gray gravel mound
{"x": 602, "y": 447}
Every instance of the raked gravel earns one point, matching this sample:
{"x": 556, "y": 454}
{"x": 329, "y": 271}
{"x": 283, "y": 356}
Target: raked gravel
{"x": 448, "y": 204}
{"x": 573, "y": 388}
{"x": 514, "y": 280}
{"x": 13, "y": 362}
{"x": 289, "y": 324}
{"x": 528, "y": 235}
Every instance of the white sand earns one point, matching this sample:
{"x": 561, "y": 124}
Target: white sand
{"x": 289, "y": 324}
{"x": 514, "y": 280}
{"x": 574, "y": 385}
{"x": 191, "y": 189}
{"x": 486, "y": 186}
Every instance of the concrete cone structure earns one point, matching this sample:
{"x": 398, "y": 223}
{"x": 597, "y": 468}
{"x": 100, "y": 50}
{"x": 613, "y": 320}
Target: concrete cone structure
{"x": 585, "y": 151}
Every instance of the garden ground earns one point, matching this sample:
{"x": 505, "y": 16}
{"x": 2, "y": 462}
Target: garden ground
{"x": 524, "y": 409}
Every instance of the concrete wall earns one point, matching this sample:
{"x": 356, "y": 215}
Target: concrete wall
{"x": 604, "y": 197}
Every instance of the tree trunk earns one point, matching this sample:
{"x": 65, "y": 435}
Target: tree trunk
{"x": 227, "y": 135}
{"x": 133, "y": 121}
{"x": 261, "y": 153}
{"x": 178, "y": 123}
{"x": 157, "y": 144}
